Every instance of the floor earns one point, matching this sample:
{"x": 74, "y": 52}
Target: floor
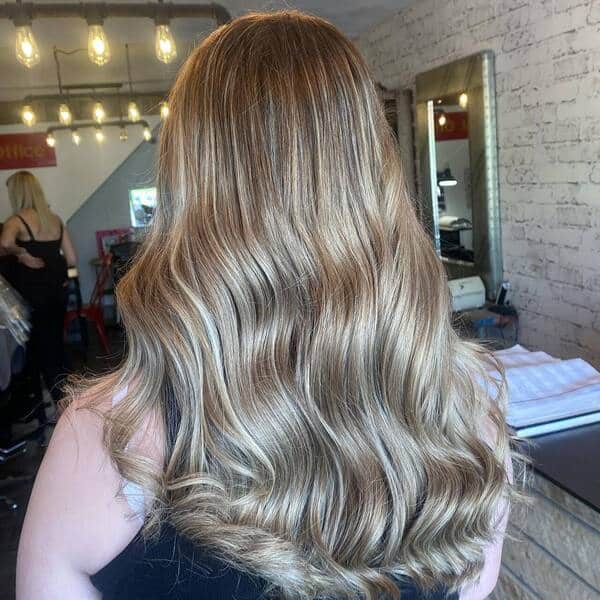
{"x": 21, "y": 470}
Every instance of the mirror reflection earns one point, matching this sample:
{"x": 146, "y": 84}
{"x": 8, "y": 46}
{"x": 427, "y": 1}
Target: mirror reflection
{"x": 458, "y": 181}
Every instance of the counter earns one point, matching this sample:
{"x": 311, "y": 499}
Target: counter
{"x": 555, "y": 552}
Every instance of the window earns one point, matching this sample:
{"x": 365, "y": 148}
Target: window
{"x": 142, "y": 202}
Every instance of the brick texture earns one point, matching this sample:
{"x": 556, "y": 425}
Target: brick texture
{"x": 548, "y": 98}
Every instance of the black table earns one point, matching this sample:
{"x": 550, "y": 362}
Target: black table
{"x": 571, "y": 460}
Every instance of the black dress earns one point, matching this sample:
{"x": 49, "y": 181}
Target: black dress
{"x": 44, "y": 290}
{"x": 173, "y": 567}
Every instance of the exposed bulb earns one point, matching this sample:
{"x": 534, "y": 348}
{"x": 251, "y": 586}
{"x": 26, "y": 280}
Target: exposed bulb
{"x": 164, "y": 110}
{"x": 99, "y": 113}
{"x": 133, "y": 112}
{"x": 64, "y": 114}
{"x": 51, "y": 140}
{"x": 147, "y": 134}
{"x": 99, "y": 135}
{"x": 28, "y": 53}
{"x": 98, "y": 48}
{"x": 28, "y": 116}
{"x": 442, "y": 120}
{"x": 76, "y": 137}
{"x": 123, "y": 134}
{"x": 164, "y": 44}
{"x": 463, "y": 100}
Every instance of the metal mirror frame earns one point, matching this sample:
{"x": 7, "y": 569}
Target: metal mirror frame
{"x": 487, "y": 240}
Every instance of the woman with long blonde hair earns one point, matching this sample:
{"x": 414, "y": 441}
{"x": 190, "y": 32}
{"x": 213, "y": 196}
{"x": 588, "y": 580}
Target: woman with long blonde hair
{"x": 295, "y": 416}
{"x": 43, "y": 248}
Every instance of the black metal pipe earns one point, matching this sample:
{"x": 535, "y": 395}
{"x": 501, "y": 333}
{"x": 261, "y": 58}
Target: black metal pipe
{"x": 94, "y": 125}
{"x": 102, "y": 10}
{"x": 91, "y": 96}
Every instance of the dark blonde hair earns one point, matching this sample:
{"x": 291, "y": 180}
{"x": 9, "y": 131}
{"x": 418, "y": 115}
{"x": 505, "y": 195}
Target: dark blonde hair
{"x": 25, "y": 191}
{"x": 288, "y": 307}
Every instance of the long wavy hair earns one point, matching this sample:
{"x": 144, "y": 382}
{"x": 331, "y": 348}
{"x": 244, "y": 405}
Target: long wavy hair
{"x": 25, "y": 191}
{"x": 289, "y": 322}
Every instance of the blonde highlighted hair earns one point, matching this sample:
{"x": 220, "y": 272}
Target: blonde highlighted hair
{"x": 25, "y": 191}
{"x": 289, "y": 321}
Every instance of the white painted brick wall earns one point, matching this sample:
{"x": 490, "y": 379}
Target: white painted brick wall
{"x": 548, "y": 96}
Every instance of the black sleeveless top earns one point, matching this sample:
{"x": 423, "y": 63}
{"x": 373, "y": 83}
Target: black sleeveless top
{"x": 173, "y": 567}
{"x": 38, "y": 285}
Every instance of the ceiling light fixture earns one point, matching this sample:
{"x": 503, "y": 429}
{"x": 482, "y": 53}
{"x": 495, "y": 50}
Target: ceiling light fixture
{"x": 98, "y": 47}
{"x": 76, "y": 137}
{"x": 28, "y": 116}
{"x": 164, "y": 110}
{"x": 463, "y": 100}
{"x": 99, "y": 135}
{"x": 64, "y": 114}
{"x": 99, "y": 112}
{"x": 51, "y": 140}
{"x": 164, "y": 43}
{"x": 442, "y": 120}
{"x": 446, "y": 179}
{"x": 133, "y": 112}
{"x": 147, "y": 134}
{"x": 26, "y": 48}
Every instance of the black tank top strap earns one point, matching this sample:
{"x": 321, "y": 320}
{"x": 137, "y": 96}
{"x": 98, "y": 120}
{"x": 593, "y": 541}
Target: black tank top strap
{"x": 31, "y": 237}
{"x": 61, "y": 232}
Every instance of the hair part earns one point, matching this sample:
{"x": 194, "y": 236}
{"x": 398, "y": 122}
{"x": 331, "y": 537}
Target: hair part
{"x": 25, "y": 191}
{"x": 288, "y": 306}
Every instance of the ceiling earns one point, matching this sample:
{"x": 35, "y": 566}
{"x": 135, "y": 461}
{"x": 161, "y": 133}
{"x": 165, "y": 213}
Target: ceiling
{"x": 352, "y": 16}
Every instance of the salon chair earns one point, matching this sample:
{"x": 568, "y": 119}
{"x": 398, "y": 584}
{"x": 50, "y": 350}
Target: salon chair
{"x": 11, "y": 412}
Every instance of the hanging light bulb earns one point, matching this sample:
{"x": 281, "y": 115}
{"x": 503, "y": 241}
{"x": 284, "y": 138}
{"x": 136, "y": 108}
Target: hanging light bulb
{"x": 99, "y": 135}
{"x": 147, "y": 133}
{"x": 28, "y": 116}
{"x": 51, "y": 140}
{"x": 133, "y": 112}
{"x": 164, "y": 43}
{"x": 463, "y": 100}
{"x": 98, "y": 48}
{"x": 442, "y": 120}
{"x": 123, "y": 134}
{"x": 28, "y": 53}
{"x": 64, "y": 114}
{"x": 99, "y": 112}
{"x": 76, "y": 137}
{"x": 164, "y": 110}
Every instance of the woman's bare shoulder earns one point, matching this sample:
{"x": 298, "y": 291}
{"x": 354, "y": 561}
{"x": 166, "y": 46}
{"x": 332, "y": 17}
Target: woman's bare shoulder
{"x": 77, "y": 520}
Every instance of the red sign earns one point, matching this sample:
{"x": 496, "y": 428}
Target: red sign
{"x": 25, "y": 150}
{"x": 455, "y": 128}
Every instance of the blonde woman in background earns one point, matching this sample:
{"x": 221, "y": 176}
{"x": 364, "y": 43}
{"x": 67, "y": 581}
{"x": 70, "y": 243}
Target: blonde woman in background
{"x": 295, "y": 416}
{"x": 41, "y": 243}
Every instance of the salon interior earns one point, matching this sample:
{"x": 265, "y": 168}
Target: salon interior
{"x": 495, "y": 106}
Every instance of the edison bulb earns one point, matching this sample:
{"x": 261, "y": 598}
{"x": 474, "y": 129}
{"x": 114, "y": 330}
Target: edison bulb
{"x": 76, "y": 137}
{"x": 463, "y": 100}
{"x": 442, "y": 120}
{"x": 99, "y": 135}
{"x": 133, "y": 112}
{"x": 28, "y": 53}
{"x": 164, "y": 110}
{"x": 28, "y": 116}
{"x": 50, "y": 140}
{"x": 98, "y": 48}
{"x": 123, "y": 134}
{"x": 147, "y": 134}
{"x": 164, "y": 44}
{"x": 64, "y": 114}
{"x": 99, "y": 113}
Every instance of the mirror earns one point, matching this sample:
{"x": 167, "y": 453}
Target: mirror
{"x": 457, "y": 164}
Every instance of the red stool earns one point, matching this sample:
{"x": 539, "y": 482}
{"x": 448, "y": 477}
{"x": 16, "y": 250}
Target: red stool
{"x": 93, "y": 311}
